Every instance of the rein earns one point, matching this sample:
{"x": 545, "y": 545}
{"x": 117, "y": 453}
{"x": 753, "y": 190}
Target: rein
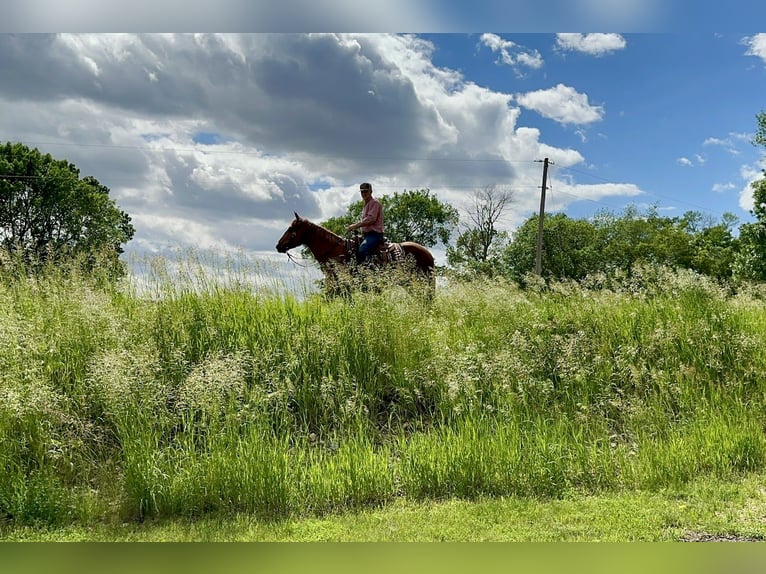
{"x": 295, "y": 261}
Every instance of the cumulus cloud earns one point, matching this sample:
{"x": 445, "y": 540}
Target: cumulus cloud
{"x": 213, "y": 140}
{"x": 562, "y": 104}
{"x": 750, "y": 174}
{"x": 756, "y": 46}
{"x": 593, "y": 44}
{"x": 512, "y": 54}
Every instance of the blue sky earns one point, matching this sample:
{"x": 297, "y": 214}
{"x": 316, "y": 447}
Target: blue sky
{"x": 675, "y": 112}
{"x": 213, "y": 140}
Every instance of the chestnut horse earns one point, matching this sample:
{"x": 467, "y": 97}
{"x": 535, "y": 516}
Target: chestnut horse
{"x": 330, "y": 250}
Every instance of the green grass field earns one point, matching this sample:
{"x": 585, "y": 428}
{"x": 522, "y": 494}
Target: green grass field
{"x": 200, "y": 399}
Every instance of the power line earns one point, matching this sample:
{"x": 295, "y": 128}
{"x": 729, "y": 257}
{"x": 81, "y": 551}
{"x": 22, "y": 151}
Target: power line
{"x": 649, "y": 193}
{"x": 257, "y": 153}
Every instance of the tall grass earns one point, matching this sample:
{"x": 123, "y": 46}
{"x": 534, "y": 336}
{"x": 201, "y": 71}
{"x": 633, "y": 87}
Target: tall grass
{"x": 204, "y": 391}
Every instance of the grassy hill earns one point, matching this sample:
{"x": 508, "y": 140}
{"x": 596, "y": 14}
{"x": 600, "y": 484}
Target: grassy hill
{"x": 204, "y": 396}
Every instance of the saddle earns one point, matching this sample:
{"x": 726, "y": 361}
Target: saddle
{"x": 389, "y": 252}
{"x": 385, "y": 252}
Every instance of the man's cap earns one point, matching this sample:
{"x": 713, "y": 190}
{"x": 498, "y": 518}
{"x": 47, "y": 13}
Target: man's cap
{"x": 365, "y": 187}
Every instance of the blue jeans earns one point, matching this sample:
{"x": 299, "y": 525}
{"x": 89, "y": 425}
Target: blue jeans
{"x": 370, "y": 241}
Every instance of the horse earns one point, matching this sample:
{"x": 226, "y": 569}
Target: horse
{"x": 332, "y": 251}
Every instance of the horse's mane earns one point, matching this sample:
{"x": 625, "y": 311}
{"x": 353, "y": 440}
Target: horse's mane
{"x": 331, "y": 241}
{"x": 325, "y": 231}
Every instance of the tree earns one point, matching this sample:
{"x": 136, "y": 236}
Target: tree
{"x": 480, "y": 243}
{"x": 638, "y": 237}
{"x": 49, "y": 213}
{"x": 575, "y": 248}
{"x": 760, "y": 131}
{"x": 750, "y": 261}
{"x": 714, "y": 247}
{"x": 413, "y": 215}
{"x": 571, "y": 248}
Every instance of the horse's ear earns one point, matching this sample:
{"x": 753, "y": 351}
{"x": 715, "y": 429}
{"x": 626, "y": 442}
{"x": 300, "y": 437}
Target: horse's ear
{"x": 296, "y": 215}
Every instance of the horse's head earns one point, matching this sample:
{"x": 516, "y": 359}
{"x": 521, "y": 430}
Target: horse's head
{"x": 295, "y": 234}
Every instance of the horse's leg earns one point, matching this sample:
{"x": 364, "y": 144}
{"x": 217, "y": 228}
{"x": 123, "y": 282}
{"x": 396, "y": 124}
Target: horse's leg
{"x": 425, "y": 266}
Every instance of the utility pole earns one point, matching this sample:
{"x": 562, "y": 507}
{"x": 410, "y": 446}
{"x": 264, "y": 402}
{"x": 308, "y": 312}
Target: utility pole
{"x": 539, "y": 250}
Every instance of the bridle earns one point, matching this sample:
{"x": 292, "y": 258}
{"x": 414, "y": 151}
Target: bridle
{"x": 323, "y": 256}
{"x": 295, "y": 261}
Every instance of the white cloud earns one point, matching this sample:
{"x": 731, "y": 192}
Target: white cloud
{"x": 686, "y": 162}
{"x": 564, "y": 192}
{"x": 562, "y": 104}
{"x": 756, "y": 46}
{"x": 213, "y": 140}
{"x": 723, "y": 187}
{"x": 750, "y": 173}
{"x": 594, "y": 44}
{"x": 728, "y": 143}
{"x": 512, "y": 54}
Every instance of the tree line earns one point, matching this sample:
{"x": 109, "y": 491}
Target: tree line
{"x": 48, "y": 213}
{"x": 572, "y": 248}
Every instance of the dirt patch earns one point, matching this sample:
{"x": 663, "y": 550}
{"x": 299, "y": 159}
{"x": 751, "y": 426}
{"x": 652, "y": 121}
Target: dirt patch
{"x": 707, "y": 537}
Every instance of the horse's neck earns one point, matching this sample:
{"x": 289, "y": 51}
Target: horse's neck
{"x": 324, "y": 244}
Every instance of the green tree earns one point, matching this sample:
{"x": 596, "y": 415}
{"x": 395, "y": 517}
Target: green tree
{"x": 714, "y": 247}
{"x": 760, "y": 131}
{"x": 413, "y": 215}
{"x": 636, "y": 237}
{"x": 48, "y": 212}
{"x": 693, "y": 241}
{"x": 571, "y": 248}
{"x": 750, "y": 260}
{"x": 575, "y": 248}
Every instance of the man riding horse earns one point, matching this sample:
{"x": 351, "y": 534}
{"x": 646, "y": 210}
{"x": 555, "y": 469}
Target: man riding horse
{"x": 330, "y": 249}
{"x": 371, "y": 224}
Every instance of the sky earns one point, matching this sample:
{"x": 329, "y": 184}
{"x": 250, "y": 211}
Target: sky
{"x": 212, "y": 141}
